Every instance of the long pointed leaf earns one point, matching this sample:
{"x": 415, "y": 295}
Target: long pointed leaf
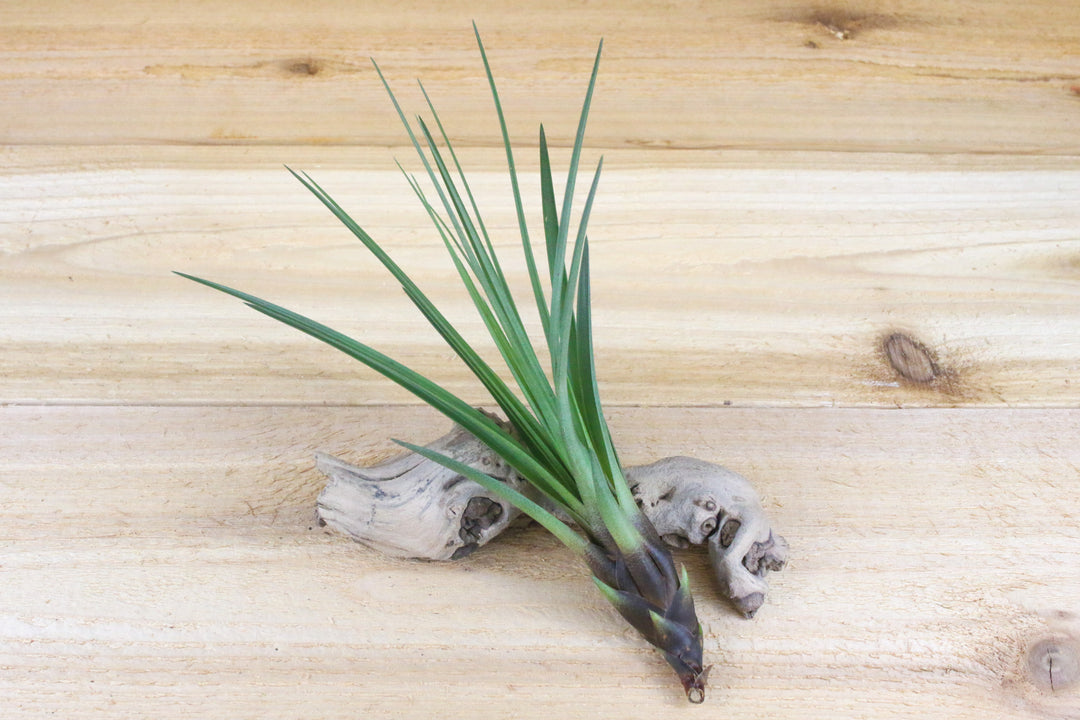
{"x": 472, "y": 419}
{"x": 537, "y": 512}
{"x": 558, "y": 292}
{"x": 523, "y": 227}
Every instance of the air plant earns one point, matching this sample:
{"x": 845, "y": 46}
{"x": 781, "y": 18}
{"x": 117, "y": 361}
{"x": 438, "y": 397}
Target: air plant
{"x": 558, "y": 439}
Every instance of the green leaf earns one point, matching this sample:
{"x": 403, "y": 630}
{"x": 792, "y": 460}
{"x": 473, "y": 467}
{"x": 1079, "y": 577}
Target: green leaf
{"x": 523, "y": 226}
{"x": 528, "y": 506}
{"x": 551, "y": 213}
{"x": 558, "y": 290}
{"x": 558, "y": 439}
{"x": 472, "y": 419}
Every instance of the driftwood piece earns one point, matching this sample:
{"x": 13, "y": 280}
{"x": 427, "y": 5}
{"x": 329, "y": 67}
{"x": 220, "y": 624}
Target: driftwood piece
{"x": 409, "y": 506}
{"x": 412, "y": 507}
{"x": 692, "y": 501}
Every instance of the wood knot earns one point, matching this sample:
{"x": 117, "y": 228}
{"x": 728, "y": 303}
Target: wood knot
{"x": 910, "y": 358}
{"x": 843, "y": 24}
{"x": 1054, "y": 663}
{"x": 302, "y": 66}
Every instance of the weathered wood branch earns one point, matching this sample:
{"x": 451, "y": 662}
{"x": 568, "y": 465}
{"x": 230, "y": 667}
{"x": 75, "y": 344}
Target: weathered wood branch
{"x": 411, "y": 507}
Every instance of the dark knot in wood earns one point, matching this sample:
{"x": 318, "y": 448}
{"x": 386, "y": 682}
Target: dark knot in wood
{"x": 302, "y": 66}
{"x": 910, "y": 358}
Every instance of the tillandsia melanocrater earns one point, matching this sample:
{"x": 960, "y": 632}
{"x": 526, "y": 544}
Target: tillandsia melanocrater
{"x": 558, "y": 439}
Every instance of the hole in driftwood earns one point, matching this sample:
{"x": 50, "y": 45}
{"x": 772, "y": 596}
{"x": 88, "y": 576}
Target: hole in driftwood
{"x": 727, "y": 532}
{"x": 480, "y": 514}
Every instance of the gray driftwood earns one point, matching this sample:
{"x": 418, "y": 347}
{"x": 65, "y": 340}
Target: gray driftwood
{"x": 411, "y": 507}
{"x": 691, "y": 502}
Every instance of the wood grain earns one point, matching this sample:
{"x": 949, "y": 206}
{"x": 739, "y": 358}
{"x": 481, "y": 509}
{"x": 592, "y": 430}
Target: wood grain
{"x": 768, "y": 286}
{"x": 910, "y": 76}
{"x": 183, "y": 576}
{"x": 812, "y": 213}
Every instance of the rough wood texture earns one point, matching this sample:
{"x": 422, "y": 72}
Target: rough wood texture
{"x": 167, "y": 565}
{"x": 917, "y": 76}
{"x": 750, "y": 286}
{"x": 411, "y": 507}
{"x": 816, "y": 211}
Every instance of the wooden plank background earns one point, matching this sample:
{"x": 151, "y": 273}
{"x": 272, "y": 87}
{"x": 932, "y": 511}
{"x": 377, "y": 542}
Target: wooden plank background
{"x": 787, "y": 185}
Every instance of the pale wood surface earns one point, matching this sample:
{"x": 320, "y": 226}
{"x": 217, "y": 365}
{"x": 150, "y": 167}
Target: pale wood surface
{"x": 786, "y": 185}
{"x": 772, "y": 286}
{"x": 168, "y": 566}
